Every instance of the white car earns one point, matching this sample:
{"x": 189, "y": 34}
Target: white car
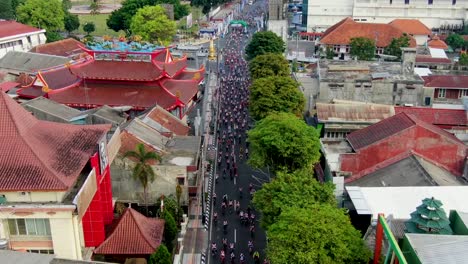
{"x": 250, "y": 2}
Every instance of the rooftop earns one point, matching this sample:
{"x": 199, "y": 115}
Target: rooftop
{"x": 19, "y": 61}
{"x": 402, "y": 201}
{"x": 411, "y": 26}
{"x": 33, "y": 156}
{"x": 134, "y": 234}
{"x": 436, "y": 249}
{"x": 435, "y": 116}
{"x": 9, "y": 28}
{"x": 182, "y": 150}
{"x": 428, "y": 59}
{"x": 9, "y": 256}
{"x": 117, "y": 70}
{"x": 446, "y": 81}
{"x": 437, "y": 43}
{"x": 163, "y": 121}
{"x": 66, "y": 47}
{"x": 142, "y": 133}
{"x": 342, "y": 33}
{"x": 51, "y": 108}
{"x": 367, "y": 112}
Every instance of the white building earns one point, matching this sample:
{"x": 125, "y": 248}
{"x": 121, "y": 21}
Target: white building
{"x": 433, "y": 13}
{"x": 19, "y": 37}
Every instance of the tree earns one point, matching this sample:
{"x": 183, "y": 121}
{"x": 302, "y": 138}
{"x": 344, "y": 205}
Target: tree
{"x": 170, "y": 229}
{"x": 205, "y": 4}
{"x": 329, "y": 53}
{"x": 161, "y": 256}
{"x": 178, "y": 196}
{"x": 290, "y": 189}
{"x": 315, "y": 234}
{"x": 152, "y": 24}
{"x": 264, "y": 42}
{"x": 362, "y": 48}
{"x": 52, "y": 36}
{"x": 94, "y": 7}
{"x": 48, "y": 15}
{"x": 283, "y": 142}
{"x": 275, "y": 94}
{"x": 267, "y": 65}
{"x": 6, "y": 10}
{"x": 395, "y": 46}
{"x": 89, "y": 28}
{"x": 66, "y": 5}
{"x": 455, "y": 41}
{"x": 463, "y": 60}
{"x": 170, "y": 205}
{"x": 71, "y": 22}
{"x": 143, "y": 171}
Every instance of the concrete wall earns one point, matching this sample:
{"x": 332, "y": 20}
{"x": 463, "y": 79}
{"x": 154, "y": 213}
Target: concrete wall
{"x": 126, "y": 189}
{"x": 325, "y": 13}
{"x": 23, "y": 42}
{"x": 279, "y": 27}
{"x": 30, "y": 197}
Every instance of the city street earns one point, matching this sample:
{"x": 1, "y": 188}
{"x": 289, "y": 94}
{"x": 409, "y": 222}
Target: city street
{"x": 248, "y": 178}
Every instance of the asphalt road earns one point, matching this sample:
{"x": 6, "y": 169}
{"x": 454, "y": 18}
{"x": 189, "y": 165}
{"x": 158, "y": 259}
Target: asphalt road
{"x": 237, "y": 233}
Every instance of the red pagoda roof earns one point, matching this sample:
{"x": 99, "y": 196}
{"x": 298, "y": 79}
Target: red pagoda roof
{"x": 58, "y": 78}
{"x": 184, "y": 90}
{"x": 97, "y": 94}
{"x": 118, "y": 70}
{"x": 134, "y": 234}
{"x": 33, "y": 156}
{"x": 168, "y": 64}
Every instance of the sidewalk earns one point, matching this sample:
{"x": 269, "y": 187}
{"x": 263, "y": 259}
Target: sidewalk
{"x": 196, "y": 238}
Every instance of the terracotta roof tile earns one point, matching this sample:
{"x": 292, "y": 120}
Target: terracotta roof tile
{"x": 446, "y": 81}
{"x": 381, "y": 130}
{"x": 11, "y": 28}
{"x": 436, "y": 116}
{"x": 342, "y": 33}
{"x": 437, "y": 43}
{"x": 185, "y": 90}
{"x": 66, "y": 47}
{"x": 134, "y": 234}
{"x": 411, "y": 26}
{"x": 118, "y": 70}
{"x": 59, "y": 77}
{"x": 430, "y": 59}
{"x": 168, "y": 121}
{"x": 115, "y": 95}
{"x": 33, "y": 156}
{"x": 7, "y": 86}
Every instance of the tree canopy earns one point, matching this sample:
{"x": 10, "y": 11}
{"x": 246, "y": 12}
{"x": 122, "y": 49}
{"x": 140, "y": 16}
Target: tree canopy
{"x": 315, "y": 234}
{"x": 283, "y": 142}
{"x": 161, "y": 256}
{"x": 170, "y": 229}
{"x": 152, "y": 24}
{"x": 6, "y": 10}
{"x": 275, "y": 94}
{"x": 455, "y": 41}
{"x": 89, "y": 27}
{"x": 268, "y": 65}
{"x": 362, "y": 48}
{"x": 395, "y": 46}
{"x": 170, "y": 205}
{"x": 264, "y": 42}
{"x": 463, "y": 60}
{"x": 72, "y": 22}
{"x": 290, "y": 189}
{"x": 48, "y": 15}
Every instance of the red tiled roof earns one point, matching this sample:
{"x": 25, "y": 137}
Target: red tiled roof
{"x": 30, "y": 92}
{"x": 191, "y": 75}
{"x": 411, "y": 26}
{"x": 342, "y": 33}
{"x": 436, "y": 116}
{"x": 185, "y": 90}
{"x": 378, "y": 131}
{"x": 12, "y": 28}
{"x": 437, "y": 43}
{"x": 7, "y": 86}
{"x": 66, "y": 47}
{"x": 33, "y": 156}
{"x": 134, "y": 234}
{"x": 114, "y": 95}
{"x": 58, "y": 78}
{"x": 168, "y": 121}
{"x": 446, "y": 81}
{"x": 429, "y": 59}
{"x": 118, "y": 70}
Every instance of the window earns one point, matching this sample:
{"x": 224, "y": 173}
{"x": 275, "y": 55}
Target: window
{"x": 430, "y": 2}
{"x": 391, "y": 2}
{"x": 462, "y": 93}
{"x": 454, "y": 2}
{"x": 29, "y": 227}
{"x": 41, "y": 251}
{"x": 180, "y": 180}
{"x": 406, "y": 2}
{"x": 441, "y": 93}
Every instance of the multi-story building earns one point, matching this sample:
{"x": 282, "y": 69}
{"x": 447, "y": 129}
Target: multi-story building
{"x": 19, "y": 37}
{"x": 322, "y": 14}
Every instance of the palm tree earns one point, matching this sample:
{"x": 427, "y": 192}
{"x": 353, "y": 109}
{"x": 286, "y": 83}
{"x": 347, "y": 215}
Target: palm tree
{"x": 143, "y": 171}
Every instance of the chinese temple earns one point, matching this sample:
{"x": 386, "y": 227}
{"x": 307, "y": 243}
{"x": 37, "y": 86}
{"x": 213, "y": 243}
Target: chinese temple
{"x": 137, "y": 79}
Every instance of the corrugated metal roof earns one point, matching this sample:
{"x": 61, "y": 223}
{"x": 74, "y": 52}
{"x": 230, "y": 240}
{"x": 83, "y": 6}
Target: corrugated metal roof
{"x": 30, "y": 62}
{"x": 146, "y": 134}
{"x": 436, "y": 249}
{"x": 8, "y": 256}
{"x": 401, "y": 201}
{"x": 371, "y": 113}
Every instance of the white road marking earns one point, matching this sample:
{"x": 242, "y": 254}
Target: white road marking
{"x": 235, "y": 236}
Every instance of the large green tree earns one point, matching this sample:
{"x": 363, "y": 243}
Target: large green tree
{"x": 170, "y": 229}
{"x": 455, "y": 41}
{"x": 283, "y": 142}
{"x": 142, "y": 171}
{"x": 6, "y": 10}
{"x": 275, "y": 94}
{"x": 268, "y": 65}
{"x": 152, "y": 24}
{"x": 362, "y": 48}
{"x": 71, "y": 22}
{"x": 161, "y": 256}
{"x": 171, "y": 206}
{"x": 290, "y": 189}
{"x": 394, "y": 48}
{"x": 315, "y": 234}
{"x": 264, "y": 42}
{"x": 48, "y": 15}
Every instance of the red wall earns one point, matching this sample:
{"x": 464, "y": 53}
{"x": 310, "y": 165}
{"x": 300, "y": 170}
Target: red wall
{"x": 432, "y": 146}
{"x": 100, "y": 211}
